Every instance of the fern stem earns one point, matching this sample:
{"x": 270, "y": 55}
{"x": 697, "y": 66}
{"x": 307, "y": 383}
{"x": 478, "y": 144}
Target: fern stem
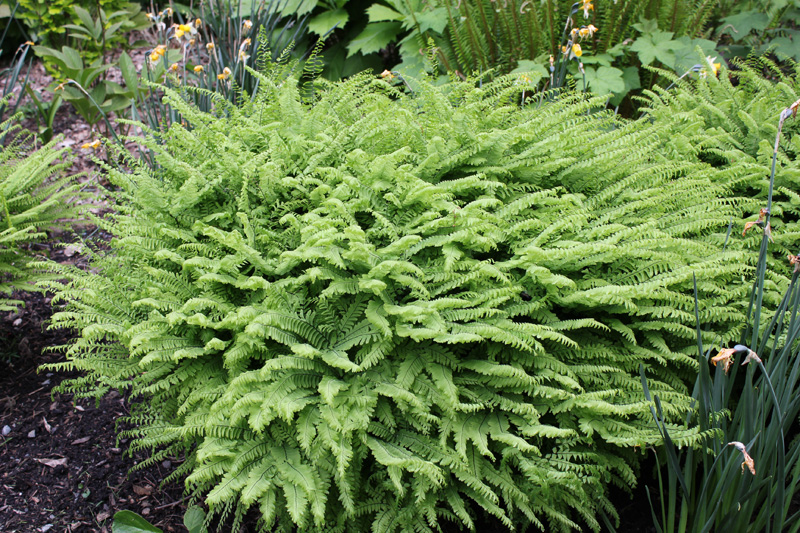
{"x": 553, "y": 45}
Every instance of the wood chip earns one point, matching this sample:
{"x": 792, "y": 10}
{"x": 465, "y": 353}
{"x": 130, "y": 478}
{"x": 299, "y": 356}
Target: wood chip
{"x": 47, "y": 426}
{"x": 81, "y": 440}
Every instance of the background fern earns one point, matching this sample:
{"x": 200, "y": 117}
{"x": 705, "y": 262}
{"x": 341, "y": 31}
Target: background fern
{"x": 34, "y": 197}
{"x": 371, "y": 308}
{"x": 483, "y": 34}
{"x": 729, "y": 122}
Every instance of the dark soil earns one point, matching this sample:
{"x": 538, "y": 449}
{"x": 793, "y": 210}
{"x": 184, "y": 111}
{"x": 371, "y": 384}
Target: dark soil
{"x": 61, "y": 468}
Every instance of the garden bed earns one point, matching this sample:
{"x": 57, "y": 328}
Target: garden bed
{"x": 61, "y": 467}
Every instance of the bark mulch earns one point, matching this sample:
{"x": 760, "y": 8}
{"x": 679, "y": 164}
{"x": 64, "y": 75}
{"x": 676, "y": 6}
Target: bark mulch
{"x": 61, "y": 467}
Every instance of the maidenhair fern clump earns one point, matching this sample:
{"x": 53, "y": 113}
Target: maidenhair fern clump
{"x": 35, "y": 196}
{"x": 379, "y": 306}
{"x": 730, "y": 122}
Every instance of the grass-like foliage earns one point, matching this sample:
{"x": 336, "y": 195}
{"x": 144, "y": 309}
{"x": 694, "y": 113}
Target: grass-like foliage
{"x": 379, "y": 306}
{"x": 34, "y": 197}
{"x": 747, "y": 480}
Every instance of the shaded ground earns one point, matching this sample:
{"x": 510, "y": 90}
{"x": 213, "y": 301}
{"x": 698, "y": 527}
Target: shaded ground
{"x": 61, "y": 468}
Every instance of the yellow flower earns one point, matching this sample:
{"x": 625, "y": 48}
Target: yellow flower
{"x": 198, "y": 23}
{"x": 245, "y": 44}
{"x": 748, "y": 225}
{"x": 387, "y": 75}
{"x": 725, "y": 356}
{"x": 60, "y": 87}
{"x": 243, "y": 56}
{"x": 187, "y": 31}
{"x": 199, "y": 68}
{"x": 247, "y": 25}
{"x": 751, "y": 356}
{"x": 587, "y": 6}
{"x": 92, "y": 145}
{"x": 587, "y": 31}
{"x": 210, "y": 47}
{"x": 168, "y": 12}
{"x": 761, "y": 215}
{"x": 794, "y": 107}
{"x": 576, "y": 50}
{"x": 748, "y": 461}
{"x": 794, "y": 260}
{"x": 29, "y": 43}
{"x": 564, "y": 50}
{"x": 174, "y": 67}
{"x": 714, "y": 67}
{"x": 226, "y": 73}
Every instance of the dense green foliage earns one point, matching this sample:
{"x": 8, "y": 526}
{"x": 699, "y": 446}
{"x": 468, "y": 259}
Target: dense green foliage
{"x": 757, "y": 27}
{"x": 47, "y": 20}
{"x": 617, "y": 38}
{"x": 730, "y": 122}
{"x": 34, "y": 197}
{"x": 365, "y": 306}
{"x": 756, "y": 416}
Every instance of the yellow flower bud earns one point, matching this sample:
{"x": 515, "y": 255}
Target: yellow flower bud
{"x": 94, "y": 145}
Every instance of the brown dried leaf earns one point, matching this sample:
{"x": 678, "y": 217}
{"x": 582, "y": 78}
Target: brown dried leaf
{"x": 73, "y": 249}
{"x": 81, "y": 441}
{"x": 52, "y": 463}
{"x": 143, "y": 491}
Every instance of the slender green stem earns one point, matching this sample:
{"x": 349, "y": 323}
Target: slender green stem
{"x": 100, "y": 109}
